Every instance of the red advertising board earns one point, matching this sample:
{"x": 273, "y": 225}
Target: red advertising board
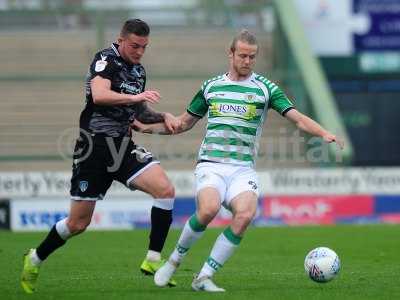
{"x": 317, "y": 209}
{"x": 391, "y": 218}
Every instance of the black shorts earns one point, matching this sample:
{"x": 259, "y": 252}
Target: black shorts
{"x": 100, "y": 160}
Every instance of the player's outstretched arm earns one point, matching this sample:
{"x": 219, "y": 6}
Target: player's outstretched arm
{"x": 155, "y": 128}
{"x": 310, "y": 126}
{"x": 186, "y": 122}
{"x": 147, "y": 115}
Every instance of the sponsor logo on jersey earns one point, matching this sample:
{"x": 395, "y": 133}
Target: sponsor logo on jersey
{"x": 242, "y": 111}
{"x": 130, "y": 89}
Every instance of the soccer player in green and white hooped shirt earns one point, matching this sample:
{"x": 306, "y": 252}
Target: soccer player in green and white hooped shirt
{"x": 236, "y": 104}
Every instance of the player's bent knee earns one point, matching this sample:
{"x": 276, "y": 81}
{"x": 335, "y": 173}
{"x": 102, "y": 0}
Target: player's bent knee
{"x": 165, "y": 192}
{"x": 170, "y": 192}
{"x": 239, "y": 227}
{"x": 206, "y": 215}
{"x": 244, "y": 219}
{"x": 77, "y": 227}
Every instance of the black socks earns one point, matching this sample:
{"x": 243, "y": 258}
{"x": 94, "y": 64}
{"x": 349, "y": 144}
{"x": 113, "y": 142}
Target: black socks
{"x": 52, "y": 242}
{"x": 161, "y": 220}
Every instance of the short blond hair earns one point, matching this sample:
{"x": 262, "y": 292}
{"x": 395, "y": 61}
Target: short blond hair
{"x": 244, "y": 36}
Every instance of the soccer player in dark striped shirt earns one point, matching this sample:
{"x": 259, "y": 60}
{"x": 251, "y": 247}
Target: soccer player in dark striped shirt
{"x": 105, "y": 151}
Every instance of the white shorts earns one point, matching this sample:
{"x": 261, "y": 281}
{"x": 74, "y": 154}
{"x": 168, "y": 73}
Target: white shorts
{"x": 229, "y": 180}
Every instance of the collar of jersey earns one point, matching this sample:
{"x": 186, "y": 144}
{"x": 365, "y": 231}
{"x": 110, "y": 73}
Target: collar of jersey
{"x": 248, "y": 79}
{"x": 115, "y": 46}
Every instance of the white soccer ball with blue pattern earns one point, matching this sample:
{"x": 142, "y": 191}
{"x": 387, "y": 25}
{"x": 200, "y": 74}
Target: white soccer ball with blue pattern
{"x": 322, "y": 264}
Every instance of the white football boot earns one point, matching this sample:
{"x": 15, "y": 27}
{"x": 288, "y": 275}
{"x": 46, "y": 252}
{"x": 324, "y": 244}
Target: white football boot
{"x": 205, "y": 284}
{"x": 164, "y": 273}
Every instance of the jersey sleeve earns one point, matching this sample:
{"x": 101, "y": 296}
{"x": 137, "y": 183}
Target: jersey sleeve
{"x": 198, "y": 106}
{"x": 104, "y": 66}
{"x": 279, "y": 101}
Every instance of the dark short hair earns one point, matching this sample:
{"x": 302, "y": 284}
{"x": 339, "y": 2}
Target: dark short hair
{"x": 135, "y": 26}
{"x": 244, "y": 36}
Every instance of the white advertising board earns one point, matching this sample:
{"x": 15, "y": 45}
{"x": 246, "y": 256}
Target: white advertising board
{"x": 330, "y": 25}
{"x": 39, "y": 184}
{"x": 39, "y": 215}
{"x": 331, "y": 181}
{"x": 284, "y": 182}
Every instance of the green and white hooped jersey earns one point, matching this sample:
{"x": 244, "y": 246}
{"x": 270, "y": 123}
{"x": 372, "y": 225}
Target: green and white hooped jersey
{"x": 236, "y": 112}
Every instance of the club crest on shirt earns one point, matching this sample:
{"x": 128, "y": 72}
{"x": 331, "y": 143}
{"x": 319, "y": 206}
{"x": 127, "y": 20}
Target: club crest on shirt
{"x": 100, "y": 64}
{"x": 83, "y": 185}
{"x": 250, "y": 97}
{"x": 138, "y": 71}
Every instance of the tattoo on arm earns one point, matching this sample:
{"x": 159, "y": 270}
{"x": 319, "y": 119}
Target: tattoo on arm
{"x": 149, "y": 116}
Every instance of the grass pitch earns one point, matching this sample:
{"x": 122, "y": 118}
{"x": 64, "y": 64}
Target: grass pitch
{"x": 267, "y": 265}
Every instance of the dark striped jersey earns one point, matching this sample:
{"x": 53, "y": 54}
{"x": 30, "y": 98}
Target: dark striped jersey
{"x": 125, "y": 78}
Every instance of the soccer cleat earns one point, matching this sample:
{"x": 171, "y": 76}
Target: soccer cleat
{"x": 205, "y": 284}
{"x": 164, "y": 274}
{"x": 30, "y": 273}
{"x": 150, "y": 268}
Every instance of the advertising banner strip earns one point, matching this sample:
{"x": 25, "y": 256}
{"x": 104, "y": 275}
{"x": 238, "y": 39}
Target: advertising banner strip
{"x": 387, "y": 204}
{"x": 346, "y": 181}
{"x": 4, "y": 214}
{"x": 316, "y": 209}
{"x": 318, "y": 206}
{"x": 383, "y": 33}
{"x": 119, "y": 214}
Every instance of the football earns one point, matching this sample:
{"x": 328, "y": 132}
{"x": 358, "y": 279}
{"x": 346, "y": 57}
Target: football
{"x": 322, "y": 264}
